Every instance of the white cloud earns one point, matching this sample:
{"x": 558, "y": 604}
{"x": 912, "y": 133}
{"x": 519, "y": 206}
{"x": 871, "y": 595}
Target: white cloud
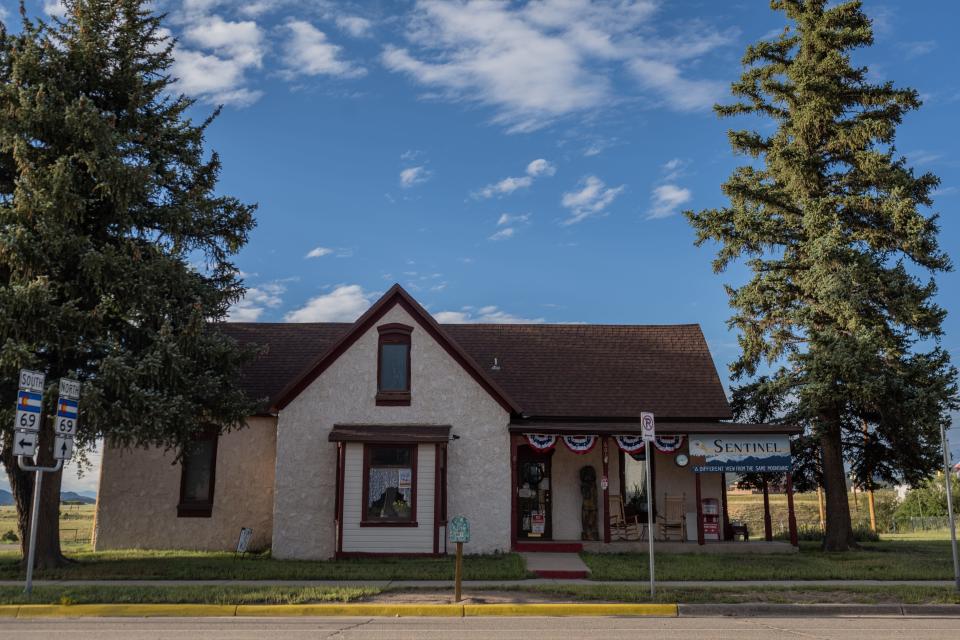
{"x": 535, "y": 169}
{"x": 680, "y": 93}
{"x": 666, "y": 199}
{"x": 540, "y": 167}
{"x": 54, "y": 8}
{"x": 257, "y": 300}
{"x": 490, "y": 314}
{"x": 319, "y": 252}
{"x": 507, "y": 218}
{"x": 309, "y": 52}
{"x": 354, "y": 25}
{"x": 414, "y": 175}
{"x": 345, "y": 303}
{"x": 503, "y": 234}
{"x": 539, "y": 61}
{"x": 592, "y": 198}
{"x": 212, "y": 61}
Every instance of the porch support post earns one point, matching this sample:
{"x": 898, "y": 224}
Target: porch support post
{"x": 727, "y": 529}
{"x": 699, "y": 511}
{"x": 791, "y": 514}
{"x": 341, "y": 466}
{"x": 767, "y": 526}
{"x": 605, "y": 455}
{"x": 513, "y": 491}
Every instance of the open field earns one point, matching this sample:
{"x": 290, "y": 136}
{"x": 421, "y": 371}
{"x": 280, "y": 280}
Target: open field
{"x": 76, "y": 525}
{"x": 748, "y": 508}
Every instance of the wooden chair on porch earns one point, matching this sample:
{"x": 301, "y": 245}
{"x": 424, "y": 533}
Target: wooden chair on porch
{"x": 673, "y": 519}
{"x": 622, "y": 527}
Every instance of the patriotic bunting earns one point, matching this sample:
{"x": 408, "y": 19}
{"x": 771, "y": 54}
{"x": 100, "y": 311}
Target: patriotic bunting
{"x": 580, "y": 444}
{"x": 668, "y": 444}
{"x": 541, "y": 441}
{"x": 629, "y": 444}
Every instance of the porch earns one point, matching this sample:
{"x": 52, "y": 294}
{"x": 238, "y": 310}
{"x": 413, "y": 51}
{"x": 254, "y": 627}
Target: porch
{"x": 574, "y": 486}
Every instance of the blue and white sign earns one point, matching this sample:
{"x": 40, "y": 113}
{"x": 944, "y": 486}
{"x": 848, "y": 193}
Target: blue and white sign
{"x": 29, "y": 405}
{"x": 740, "y": 453}
{"x": 66, "y": 420}
{"x": 459, "y": 529}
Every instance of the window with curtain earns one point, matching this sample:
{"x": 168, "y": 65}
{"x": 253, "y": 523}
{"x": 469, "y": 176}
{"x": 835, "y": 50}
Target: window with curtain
{"x": 389, "y": 484}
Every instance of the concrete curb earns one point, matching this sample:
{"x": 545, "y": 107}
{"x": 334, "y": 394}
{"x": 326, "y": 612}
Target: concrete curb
{"x": 813, "y": 610}
{"x": 370, "y": 610}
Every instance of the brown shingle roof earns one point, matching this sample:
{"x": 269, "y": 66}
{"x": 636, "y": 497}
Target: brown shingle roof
{"x": 612, "y": 371}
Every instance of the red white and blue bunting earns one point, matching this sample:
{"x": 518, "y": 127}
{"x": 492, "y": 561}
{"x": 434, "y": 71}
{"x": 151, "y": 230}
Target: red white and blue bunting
{"x": 668, "y": 444}
{"x": 580, "y": 444}
{"x": 629, "y": 444}
{"x": 541, "y": 441}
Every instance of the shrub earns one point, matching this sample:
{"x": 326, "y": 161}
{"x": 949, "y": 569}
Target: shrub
{"x": 10, "y": 536}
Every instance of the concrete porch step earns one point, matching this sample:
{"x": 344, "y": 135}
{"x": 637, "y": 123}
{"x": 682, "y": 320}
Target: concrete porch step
{"x": 548, "y": 547}
{"x": 557, "y": 566}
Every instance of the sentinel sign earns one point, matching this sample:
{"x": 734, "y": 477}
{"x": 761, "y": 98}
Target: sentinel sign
{"x": 741, "y": 453}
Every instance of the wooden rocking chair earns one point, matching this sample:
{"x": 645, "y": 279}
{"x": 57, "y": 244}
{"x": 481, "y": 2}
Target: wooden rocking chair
{"x": 673, "y": 520}
{"x": 621, "y": 527}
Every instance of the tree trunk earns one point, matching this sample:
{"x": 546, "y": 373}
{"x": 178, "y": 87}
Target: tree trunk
{"x": 48, "y": 554}
{"x": 839, "y": 532}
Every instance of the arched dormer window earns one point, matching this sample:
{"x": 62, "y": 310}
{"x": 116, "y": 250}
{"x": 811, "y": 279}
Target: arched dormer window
{"x": 393, "y": 365}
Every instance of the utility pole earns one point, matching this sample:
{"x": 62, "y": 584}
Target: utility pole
{"x": 953, "y": 525}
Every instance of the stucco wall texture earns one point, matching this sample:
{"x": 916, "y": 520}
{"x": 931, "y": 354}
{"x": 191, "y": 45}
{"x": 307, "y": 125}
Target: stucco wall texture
{"x": 442, "y": 392}
{"x": 140, "y": 488}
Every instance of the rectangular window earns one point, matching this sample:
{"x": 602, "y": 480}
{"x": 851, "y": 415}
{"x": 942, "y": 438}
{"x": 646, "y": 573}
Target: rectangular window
{"x": 390, "y": 485}
{"x": 393, "y": 364}
{"x": 197, "y": 479}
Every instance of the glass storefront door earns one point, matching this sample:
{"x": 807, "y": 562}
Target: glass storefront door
{"x": 533, "y": 494}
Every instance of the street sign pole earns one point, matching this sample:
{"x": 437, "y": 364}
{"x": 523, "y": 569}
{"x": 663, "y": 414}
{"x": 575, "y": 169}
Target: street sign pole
{"x": 648, "y": 432}
{"x": 29, "y": 418}
{"x": 947, "y": 472}
{"x": 646, "y": 455}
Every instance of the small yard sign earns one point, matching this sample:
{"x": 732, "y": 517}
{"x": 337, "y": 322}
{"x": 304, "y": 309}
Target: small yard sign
{"x": 246, "y": 535}
{"x": 459, "y": 529}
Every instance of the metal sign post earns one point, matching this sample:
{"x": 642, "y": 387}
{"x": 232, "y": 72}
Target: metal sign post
{"x": 953, "y": 525}
{"x": 648, "y": 428}
{"x": 29, "y": 418}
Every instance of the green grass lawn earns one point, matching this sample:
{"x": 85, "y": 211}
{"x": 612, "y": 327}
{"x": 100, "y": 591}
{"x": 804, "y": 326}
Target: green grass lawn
{"x": 187, "y": 565}
{"x": 181, "y": 595}
{"x": 895, "y": 594}
{"x": 891, "y": 559}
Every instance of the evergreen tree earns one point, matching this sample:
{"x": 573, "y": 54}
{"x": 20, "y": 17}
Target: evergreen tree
{"x": 830, "y": 220}
{"x": 106, "y": 200}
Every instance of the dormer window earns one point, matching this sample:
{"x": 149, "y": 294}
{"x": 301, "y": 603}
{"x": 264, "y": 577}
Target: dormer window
{"x": 393, "y": 365}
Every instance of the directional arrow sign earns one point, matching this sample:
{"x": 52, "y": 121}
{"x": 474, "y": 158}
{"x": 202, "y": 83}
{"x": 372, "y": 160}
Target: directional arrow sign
{"x": 62, "y": 448}
{"x": 24, "y": 443}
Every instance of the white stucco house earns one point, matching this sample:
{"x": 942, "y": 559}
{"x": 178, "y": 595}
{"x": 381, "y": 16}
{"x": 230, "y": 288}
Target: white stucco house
{"x": 374, "y": 433}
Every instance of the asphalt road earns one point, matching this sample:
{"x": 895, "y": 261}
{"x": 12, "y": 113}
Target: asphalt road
{"x": 849, "y": 628}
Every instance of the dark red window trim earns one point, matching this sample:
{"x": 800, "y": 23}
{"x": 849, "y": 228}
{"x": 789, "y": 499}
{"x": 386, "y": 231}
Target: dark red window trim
{"x": 412, "y": 521}
{"x": 199, "y": 508}
{"x": 393, "y": 333}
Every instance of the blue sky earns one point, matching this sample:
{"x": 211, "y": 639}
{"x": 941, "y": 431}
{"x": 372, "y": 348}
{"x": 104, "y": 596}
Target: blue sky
{"x": 509, "y": 162}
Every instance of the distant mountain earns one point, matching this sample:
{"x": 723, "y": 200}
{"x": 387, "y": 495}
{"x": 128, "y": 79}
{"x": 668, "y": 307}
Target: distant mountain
{"x": 73, "y": 496}
{"x": 83, "y": 497}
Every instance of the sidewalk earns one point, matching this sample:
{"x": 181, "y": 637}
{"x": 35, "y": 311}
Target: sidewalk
{"x": 668, "y": 584}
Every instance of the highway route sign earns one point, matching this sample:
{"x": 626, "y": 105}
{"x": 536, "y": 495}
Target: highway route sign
{"x": 62, "y": 448}
{"x": 31, "y": 380}
{"x": 25, "y": 443}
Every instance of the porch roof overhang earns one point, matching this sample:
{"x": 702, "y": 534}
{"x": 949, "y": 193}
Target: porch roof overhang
{"x": 393, "y": 433}
{"x": 603, "y": 428}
